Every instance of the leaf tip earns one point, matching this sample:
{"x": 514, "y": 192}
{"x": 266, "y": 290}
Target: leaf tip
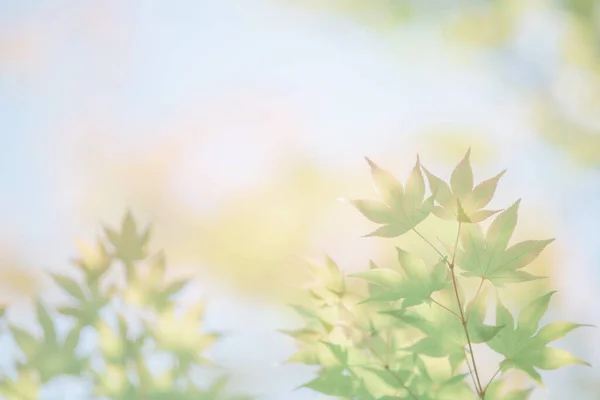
{"x": 399, "y": 250}
{"x": 517, "y": 203}
{"x": 371, "y": 163}
{"x": 548, "y": 241}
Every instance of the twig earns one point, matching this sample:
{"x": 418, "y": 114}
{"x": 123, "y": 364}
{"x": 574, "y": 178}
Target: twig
{"x": 431, "y": 244}
{"x": 491, "y": 380}
{"x": 463, "y": 320}
{"x": 456, "y": 245}
{"x": 470, "y": 370}
{"x": 444, "y": 307}
{"x": 462, "y": 315}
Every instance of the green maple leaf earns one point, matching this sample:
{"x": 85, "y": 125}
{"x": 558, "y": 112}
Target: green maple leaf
{"x": 87, "y": 305}
{"x": 489, "y": 258}
{"x": 129, "y": 244}
{"x": 385, "y": 382}
{"x": 94, "y": 261}
{"x": 444, "y": 332}
{"x": 150, "y": 289}
{"x": 70, "y": 286}
{"x": 401, "y": 208}
{"x": 329, "y": 285}
{"x": 86, "y": 312}
{"x": 525, "y": 349}
{"x": 461, "y": 201}
{"x": 495, "y": 391}
{"x": 334, "y": 381}
{"x": 321, "y": 317}
{"x": 361, "y": 377}
{"x": 180, "y": 334}
{"x": 115, "y": 345}
{"x": 410, "y": 378}
{"x": 49, "y": 356}
{"x": 415, "y": 285}
{"x": 442, "y": 386}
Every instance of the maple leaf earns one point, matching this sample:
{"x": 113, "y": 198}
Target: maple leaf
{"x": 49, "y": 356}
{"x": 180, "y": 334}
{"x": 116, "y": 346}
{"x": 94, "y": 261}
{"x": 461, "y": 201}
{"x": 526, "y": 350}
{"x": 148, "y": 287}
{"x": 445, "y": 336}
{"x": 333, "y": 381}
{"x": 489, "y": 258}
{"x": 415, "y": 286}
{"x": 87, "y": 305}
{"x": 129, "y": 244}
{"x": 401, "y": 208}
{"x": 495, "y": 391}
{"x": 328, "y": 277}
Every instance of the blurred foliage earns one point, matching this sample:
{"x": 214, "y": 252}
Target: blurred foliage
{"x": 17, "y": 282}
{"x": 565, "y": 114}
{"x": 18, "y": 279}
{"x": 238, "y": 235}
{"x": 406, "y": 330}
{"x": 122, "y": 296}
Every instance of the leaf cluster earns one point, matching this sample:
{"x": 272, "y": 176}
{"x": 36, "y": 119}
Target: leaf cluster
{"x": 121, "y": 296}
{"x": 408, "y": 332}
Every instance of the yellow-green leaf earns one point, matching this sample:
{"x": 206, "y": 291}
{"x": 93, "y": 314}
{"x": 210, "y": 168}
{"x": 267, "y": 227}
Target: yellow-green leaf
{"x": 46, "y": 323}
{"x": 556, "y": 330}
{"x": 374, "y": 211}
{"x": 461, "y": 179}
{"x": 69, "y": 286}
{"x": 387, "y": 186}
{"x": 549, "y": 358}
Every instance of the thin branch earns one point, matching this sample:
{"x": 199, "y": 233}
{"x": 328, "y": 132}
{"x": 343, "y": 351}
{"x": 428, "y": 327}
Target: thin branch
{"x": 456, "y": 245}
{"x": 464, "y": 324}
{"x": 471, "y": 371}
{"x": 430, "y": 244}
{"x": 462, "y": 315}
{"x": 444, "y": 307}
{"x": 463, "y": 320}
{"x": 491, "y": 380}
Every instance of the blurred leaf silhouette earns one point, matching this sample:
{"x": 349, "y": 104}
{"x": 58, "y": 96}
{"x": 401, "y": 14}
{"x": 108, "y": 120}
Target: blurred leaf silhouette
{"x": 248, "y": 234}
{"x": 139, "y": 295}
